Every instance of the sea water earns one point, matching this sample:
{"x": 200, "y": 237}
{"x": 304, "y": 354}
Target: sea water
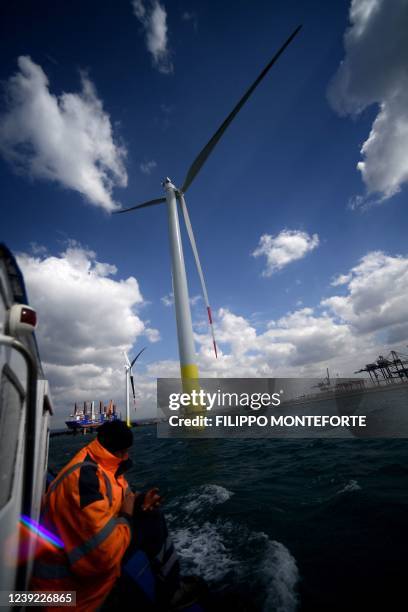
{"x": 290, "y": 525}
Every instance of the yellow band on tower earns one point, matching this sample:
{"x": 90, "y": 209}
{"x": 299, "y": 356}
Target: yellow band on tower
{"x": 190, "y": 382}
{"x": 189, "y": 378}
{"x": 189, "y": 371}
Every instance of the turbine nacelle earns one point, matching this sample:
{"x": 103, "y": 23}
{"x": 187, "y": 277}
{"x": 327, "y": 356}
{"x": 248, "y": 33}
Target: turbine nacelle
{"x": 169, "y": 186}
{"x": 167, "y": 182}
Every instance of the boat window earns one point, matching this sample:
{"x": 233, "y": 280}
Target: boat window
{"x": 11, "y": 409}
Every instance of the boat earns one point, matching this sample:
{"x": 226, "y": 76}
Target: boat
{"x": 85, "y": 419}
{"x": 382, "y": 399}
{"x": 386, "y": 375}
{"x": 25, "y": 410}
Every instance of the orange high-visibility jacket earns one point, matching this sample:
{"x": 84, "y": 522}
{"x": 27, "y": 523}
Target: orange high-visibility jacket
{"x": 81, "y": 508}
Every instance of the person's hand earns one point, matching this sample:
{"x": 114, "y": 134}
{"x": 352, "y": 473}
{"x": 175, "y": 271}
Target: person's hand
{"x": 152, "y": 500}
{"x": 128, "y": 503}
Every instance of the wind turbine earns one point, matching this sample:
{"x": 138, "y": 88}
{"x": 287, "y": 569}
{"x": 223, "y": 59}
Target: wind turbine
{"x": 189, "y": 369}
{"x": 129, "y": 378}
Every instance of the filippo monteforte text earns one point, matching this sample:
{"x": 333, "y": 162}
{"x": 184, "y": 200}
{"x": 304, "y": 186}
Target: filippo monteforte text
{"x": 265, "y": 421}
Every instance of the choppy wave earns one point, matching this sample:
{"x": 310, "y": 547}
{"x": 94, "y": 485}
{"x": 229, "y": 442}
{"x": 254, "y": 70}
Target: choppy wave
{"x": 223, "y": 549}
{"x": 279, "y": 496}
{"x": 351, "y": 486}
{"x": 280, "y": 574}
{"x": 204, "y": 551}
{"x": 204, "y": 497}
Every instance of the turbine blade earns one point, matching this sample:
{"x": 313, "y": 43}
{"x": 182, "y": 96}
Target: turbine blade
{"x": 133, "y": 387}
{"x": 126, "y": 358}
{"x": 144, "y": 205}
{"x": 207, "y": 150}
{"x": 198, "y": 264}
{"x": 137, "y": 356}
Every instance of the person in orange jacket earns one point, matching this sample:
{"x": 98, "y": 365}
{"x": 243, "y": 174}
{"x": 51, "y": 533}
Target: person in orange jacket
{"x": 89, "y": 507}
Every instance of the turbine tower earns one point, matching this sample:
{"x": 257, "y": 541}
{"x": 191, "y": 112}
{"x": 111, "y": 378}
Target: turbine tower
{"x": 188, "y": 366}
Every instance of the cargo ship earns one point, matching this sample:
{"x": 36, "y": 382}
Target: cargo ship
{"x": 85, "y": 418}
{"x": 386, "y": 374}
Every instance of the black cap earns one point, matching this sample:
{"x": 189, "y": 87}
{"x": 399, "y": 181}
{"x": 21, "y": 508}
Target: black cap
{"x": 115, "y": 436}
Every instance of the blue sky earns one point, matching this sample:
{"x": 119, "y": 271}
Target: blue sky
{"x": 161, "y": 77}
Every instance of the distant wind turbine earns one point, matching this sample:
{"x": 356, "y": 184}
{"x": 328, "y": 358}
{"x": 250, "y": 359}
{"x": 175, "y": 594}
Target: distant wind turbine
{"x": 189, "y": 369}
{"x": 129, "y": 379}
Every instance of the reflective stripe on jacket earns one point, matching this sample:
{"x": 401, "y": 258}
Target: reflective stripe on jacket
{"x": 81, "y": 507}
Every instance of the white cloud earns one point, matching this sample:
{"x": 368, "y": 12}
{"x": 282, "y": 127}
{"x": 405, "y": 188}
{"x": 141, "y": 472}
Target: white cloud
{"x": 310, "y": 338}
{"x": 87, "y": 319}
{"x": 37, "y": 249}
{"x": 67, "y": 139}
{"x": 139, "y": 9}
{"x": 153, "y": 17}
{"x": 235, "y": 331}
{"x": 285, "y": 247}
{"x": 342, "y": 332}
{"x": 376, "y": 298}
{"x": 164, "y": 369}
{"x": 168, "y": 300}
{"x": 375, "y": 71}
{"x": 153, "y": 335}
{"x": 148, "y": 167}
{"x": 298, "y": 344}
{"x": 341, "y": 279}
